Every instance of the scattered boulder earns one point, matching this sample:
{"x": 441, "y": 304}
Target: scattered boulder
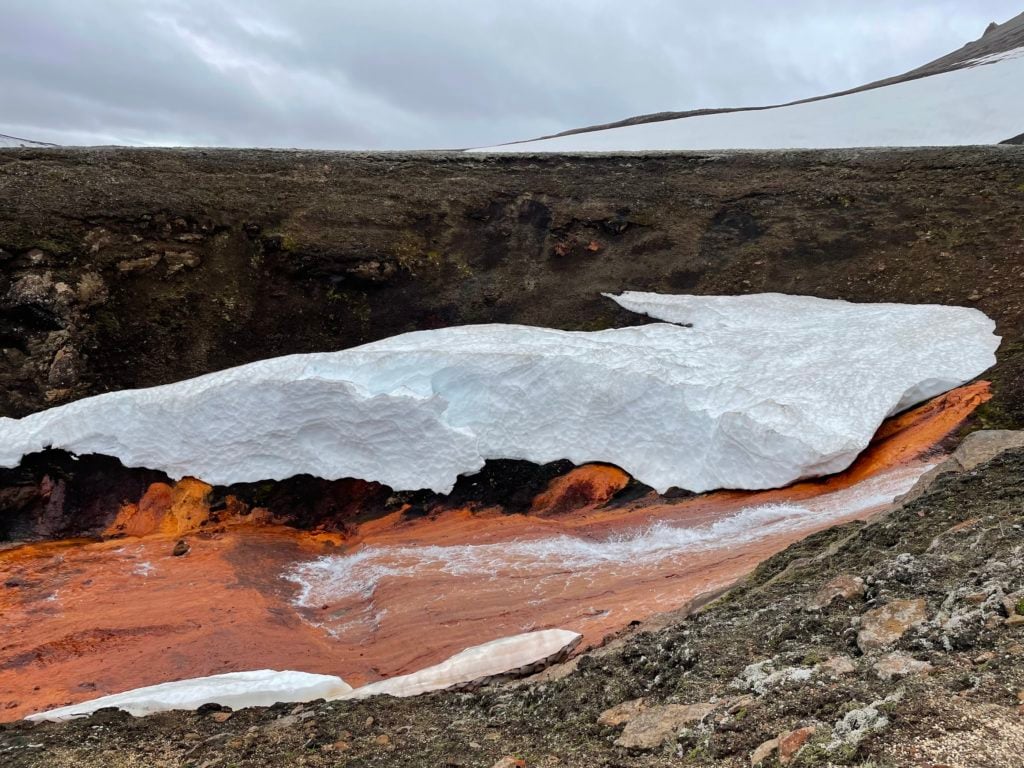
{"x": 791, "y": 742}
{"x": 883, "y": 626}
{"x": 510, "y": 762}
{"x": 142, "y": 264}
{"x": 653, "y": 727}
{"x": 843, "y": 587}
{"x": 897, "y": 665}
{"x": 787, "y": 744}
{"x": 838, "y": 666}
{"x": 64, "y": 368}
{"x": 181, "y": 548}
{"x": 764, "y": 751}
{"x": 973, "y": 451}
{"x": 621, "y": 713}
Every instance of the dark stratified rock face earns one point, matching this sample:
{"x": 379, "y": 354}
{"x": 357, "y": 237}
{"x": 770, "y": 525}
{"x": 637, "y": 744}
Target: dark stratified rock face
{"x": 127, "y": 268}
{"x": 54, "y": 495}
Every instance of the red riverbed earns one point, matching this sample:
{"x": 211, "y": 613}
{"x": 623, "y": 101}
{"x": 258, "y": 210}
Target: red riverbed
{"x": 83, "y": 619}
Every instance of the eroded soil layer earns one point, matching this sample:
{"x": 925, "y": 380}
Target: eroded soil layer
{"x": 377, "y": 588}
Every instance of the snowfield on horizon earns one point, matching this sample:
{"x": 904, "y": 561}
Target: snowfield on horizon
{"x": 10, "y": 142}
{"x": 978, "y": 104}
{"x": 749, "y": 392}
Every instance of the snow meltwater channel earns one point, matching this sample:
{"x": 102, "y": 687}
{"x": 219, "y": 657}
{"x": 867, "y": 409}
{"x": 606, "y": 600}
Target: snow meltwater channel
{"x": 563, "y": 562}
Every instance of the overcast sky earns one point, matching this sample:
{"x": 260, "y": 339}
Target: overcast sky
{"x": 396, "y": 74}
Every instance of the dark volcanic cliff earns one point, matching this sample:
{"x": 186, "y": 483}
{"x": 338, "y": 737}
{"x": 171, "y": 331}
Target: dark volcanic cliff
{"x": 124, "y": 268}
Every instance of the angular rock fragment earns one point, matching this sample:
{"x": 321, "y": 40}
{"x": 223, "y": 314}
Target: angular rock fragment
{"x": 884, "y": 626}
{"x": 837, "y": 666}
{"x": 653, "y": 727}
{"x": 764, "y": 751}
{"x": 791, "y": 742}
{"x": 621, "y": 713}
{"x": 845, "y": 587}
{"x": 897, "y": 665}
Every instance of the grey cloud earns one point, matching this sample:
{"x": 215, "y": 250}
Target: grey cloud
{"x": 391, "y": 74}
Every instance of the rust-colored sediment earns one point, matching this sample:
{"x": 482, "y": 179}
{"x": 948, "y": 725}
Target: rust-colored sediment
{"x": 82, "y": 618}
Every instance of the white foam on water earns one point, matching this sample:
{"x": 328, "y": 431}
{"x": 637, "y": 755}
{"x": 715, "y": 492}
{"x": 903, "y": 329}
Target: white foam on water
{"x": 332, "y": 578}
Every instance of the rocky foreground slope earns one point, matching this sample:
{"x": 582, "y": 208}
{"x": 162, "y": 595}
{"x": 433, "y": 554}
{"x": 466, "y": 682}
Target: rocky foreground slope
{"x": 890, "y": 643}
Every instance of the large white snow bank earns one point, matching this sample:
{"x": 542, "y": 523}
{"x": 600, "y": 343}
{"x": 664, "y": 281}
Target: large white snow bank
{"x": 978, "y": 104}
{"x": 256, "y": 688}
{"x": 762, "y": 390}
{"x": 515, "y": 655}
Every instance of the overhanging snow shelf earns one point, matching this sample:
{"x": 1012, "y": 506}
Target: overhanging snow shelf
{"x": 753, "y": 392}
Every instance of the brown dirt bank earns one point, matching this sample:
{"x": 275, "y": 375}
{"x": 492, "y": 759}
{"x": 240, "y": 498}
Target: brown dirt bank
{"x": 133, "y": 267}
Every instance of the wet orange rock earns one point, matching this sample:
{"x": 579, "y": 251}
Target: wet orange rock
{"x": 86, "y": 619}
{"x": 164, "y": 509}
{"x": 583, "y": 487}
{"x": 392, "y": 593}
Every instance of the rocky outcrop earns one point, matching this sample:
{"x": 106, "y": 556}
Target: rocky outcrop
{"x": 973, "y": 450}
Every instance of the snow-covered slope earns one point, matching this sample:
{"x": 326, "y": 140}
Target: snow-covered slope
{"x": 256, "y": 688}
{"x": 975, "y": 104}
{"x": 506, "y": 656}
{"x": 761, "y": 391}
{"x": 14, "y": 141}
